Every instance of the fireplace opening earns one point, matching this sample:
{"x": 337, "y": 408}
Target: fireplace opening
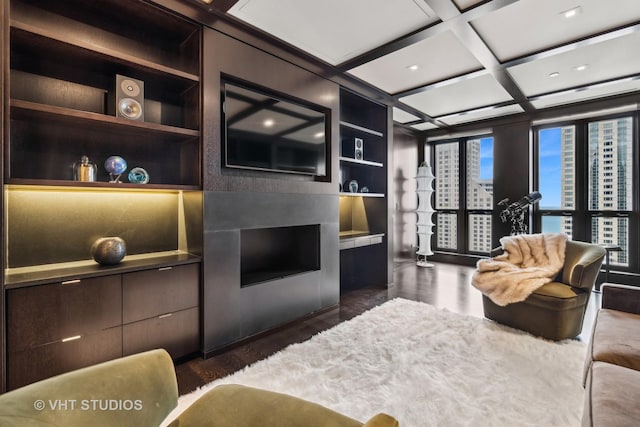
{"x": 273, "y": 253}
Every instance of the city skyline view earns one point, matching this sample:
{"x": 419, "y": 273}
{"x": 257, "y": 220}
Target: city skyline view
{"x": 605, "y": 196}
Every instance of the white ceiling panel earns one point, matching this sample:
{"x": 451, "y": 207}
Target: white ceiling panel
{"x": 602, "y": 61}
{"x": 481, "y": 114}
{"x": 587, "y": 94}
{"x": 335, "y": 30}
{"x": 424, "y": 126}
{"x": 529, "y": 26}
{"x": 436, "y": 58}
{"x": 464, "y": 94}
{"x": 402, "y": 116}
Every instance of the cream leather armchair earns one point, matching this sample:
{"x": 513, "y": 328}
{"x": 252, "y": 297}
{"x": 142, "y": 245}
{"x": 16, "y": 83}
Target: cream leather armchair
{"x": 555, "y": 310}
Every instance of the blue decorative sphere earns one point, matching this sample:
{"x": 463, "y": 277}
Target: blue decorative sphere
{"x": 115, "y": 165}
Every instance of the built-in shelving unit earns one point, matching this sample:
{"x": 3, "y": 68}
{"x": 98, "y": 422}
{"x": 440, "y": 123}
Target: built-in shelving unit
{"x": 363, "y": 214}
{"x": 63, "y": 59}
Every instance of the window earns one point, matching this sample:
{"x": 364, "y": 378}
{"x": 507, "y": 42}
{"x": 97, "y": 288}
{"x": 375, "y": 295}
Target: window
{"x": 596, "y": 207}
{"x": 464, "y": 220}
{"x": 556, "y": 178}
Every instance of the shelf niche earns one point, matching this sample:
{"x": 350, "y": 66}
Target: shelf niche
{"x": 64, "y": 58}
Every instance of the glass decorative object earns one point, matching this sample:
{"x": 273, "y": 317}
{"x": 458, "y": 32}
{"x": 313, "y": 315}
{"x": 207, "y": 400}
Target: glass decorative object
{"x": 424, "y": 180}
{"x": 115, "y": 165}
{"x": 138, "y": 176}
{"x": 84, "y": 170}
{"x": 353, "y": 186}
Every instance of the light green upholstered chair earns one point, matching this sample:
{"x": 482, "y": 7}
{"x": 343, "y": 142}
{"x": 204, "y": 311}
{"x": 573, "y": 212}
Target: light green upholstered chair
{"x": 235, "y": 406}
{"x": 555, "y": 310}
{"x": 141, "y": 390}
{"x": 144, "y": 384}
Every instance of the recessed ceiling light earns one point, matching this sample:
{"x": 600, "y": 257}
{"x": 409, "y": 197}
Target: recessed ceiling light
{"x": 413, "y": 67}
{"x": 268, "y": 123}
{"x": 571, "y": 13}
{"x": 319, "y": 135}
{"x": 554, "y": 74}
{"x": 206, "y": 1}
{"x": 581, "y": 67}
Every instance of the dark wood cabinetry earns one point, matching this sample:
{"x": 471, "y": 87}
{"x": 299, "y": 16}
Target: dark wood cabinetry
{"x": 61, "y": 326}
{"x": 363, "y": 198}
{"x": 157, "y": 313}
{"x": 60, "y": 60}
{"x": 64, "y": 57}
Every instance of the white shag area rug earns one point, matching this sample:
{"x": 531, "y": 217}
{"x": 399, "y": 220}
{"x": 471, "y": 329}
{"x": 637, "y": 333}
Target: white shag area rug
{"x": 427, "y": 367}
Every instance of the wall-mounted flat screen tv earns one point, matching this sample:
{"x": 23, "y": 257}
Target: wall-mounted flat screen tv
{"x": 269, "y": 132}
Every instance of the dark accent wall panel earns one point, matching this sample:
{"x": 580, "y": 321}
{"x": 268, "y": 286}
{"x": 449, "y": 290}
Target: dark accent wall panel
{"x": 225, "y": 56}
{"x": 406, "y": 159}
{"x": 4, "y": 72}
{"x": 231, "y": 312}
{"x": 510, "y": 170}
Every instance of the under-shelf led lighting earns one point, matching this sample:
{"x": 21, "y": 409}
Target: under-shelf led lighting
{"x": 413, "y": 67}
{"x": 581, "y": 67}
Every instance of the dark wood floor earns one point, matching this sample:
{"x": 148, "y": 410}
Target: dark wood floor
{"x": 445, "y": 286}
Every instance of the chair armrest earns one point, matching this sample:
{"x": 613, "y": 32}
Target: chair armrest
{"x": 621, "y": 297}
{"x": 582, "y": 264}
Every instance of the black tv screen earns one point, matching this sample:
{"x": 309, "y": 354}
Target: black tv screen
{"x": 268, "y": 132}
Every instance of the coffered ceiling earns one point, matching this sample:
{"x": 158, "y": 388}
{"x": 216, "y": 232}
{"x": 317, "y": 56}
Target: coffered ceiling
{"x": 450, "y": 62}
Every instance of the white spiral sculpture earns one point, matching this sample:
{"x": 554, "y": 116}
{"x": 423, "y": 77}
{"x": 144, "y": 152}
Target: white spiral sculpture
{"x": 425, "y": 224}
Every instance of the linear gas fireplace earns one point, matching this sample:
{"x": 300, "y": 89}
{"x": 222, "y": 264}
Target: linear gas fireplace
{"x": 274, "y": 253}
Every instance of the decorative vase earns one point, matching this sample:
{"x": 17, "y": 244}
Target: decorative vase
{"x": 353, "y": 186}
{"x": 108, "y": 250}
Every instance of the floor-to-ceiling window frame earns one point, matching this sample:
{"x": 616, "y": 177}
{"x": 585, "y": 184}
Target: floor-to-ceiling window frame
{"x": 587, "y": 172}
{"x": 463, "y": 194}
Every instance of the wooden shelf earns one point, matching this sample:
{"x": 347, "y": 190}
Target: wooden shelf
{"x": 41, "y": 274}
{"x": 67, "y": 184}
{"x": 361, "y": 162}
{"x": 361, "y": 194}
{"x": 361, "y": 129}
{"x": 56, "y": 43}
{"x": 31, "y": 110}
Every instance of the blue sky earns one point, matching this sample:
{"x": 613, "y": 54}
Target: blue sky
{"x": 550, "y": 168}
{"x": 486, "y": 158}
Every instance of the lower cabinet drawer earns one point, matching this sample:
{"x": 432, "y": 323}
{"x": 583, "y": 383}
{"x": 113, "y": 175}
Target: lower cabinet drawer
{"x": 34, "y": 364}
{"x": 148, "y": 293}
{"x": 177, "y": 332}
{"x": 43, "y": 314}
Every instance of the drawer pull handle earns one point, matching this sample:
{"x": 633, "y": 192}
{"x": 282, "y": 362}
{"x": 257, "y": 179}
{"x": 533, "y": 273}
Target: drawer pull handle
{"x": 76, "y": 337}
{"x": 165, "y": 268}
{"x": 71, "y": 282}
{"x": 163, "y": 316}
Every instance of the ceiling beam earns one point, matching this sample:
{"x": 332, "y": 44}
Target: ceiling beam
{"x": 441, "y": 8}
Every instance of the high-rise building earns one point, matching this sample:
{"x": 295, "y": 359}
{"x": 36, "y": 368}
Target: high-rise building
{"x": 479, "y": 196}
{"x": 568, "y": 176}
{"x": 610, "y": 182}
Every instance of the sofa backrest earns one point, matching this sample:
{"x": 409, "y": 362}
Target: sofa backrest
{"x": 134, "y": 391}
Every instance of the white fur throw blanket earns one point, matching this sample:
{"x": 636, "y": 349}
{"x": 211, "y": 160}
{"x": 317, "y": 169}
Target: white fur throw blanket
{"x": 528, "y": 262}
